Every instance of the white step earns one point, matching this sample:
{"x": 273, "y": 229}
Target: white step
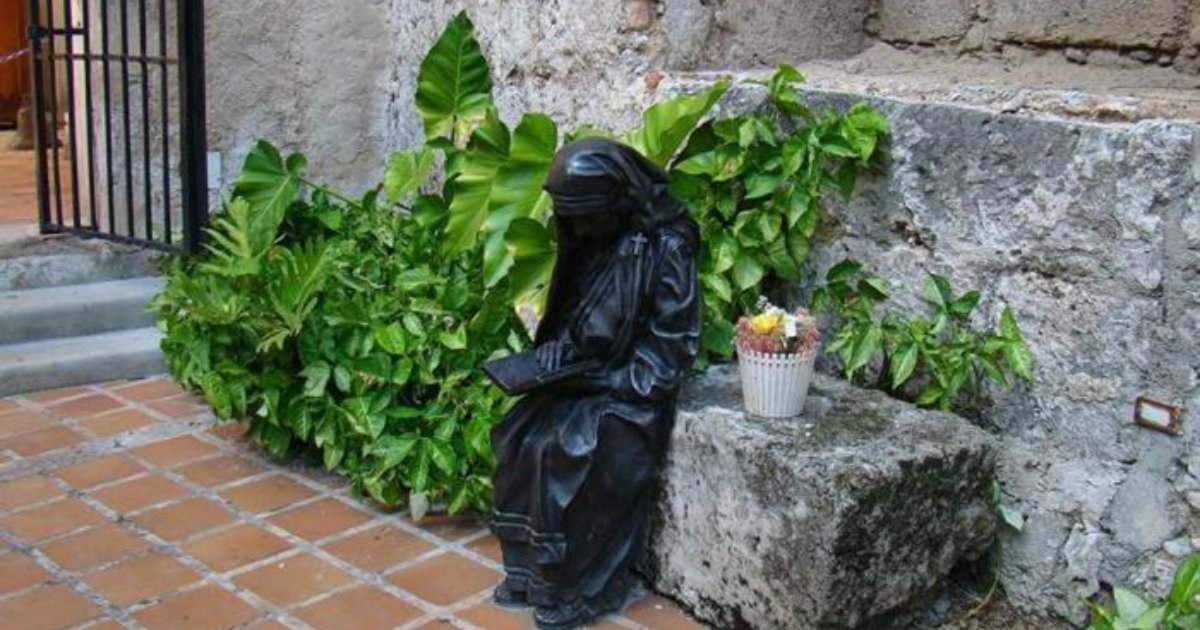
{"x": 76, "y": 310}
{"x": 68, "y": 361}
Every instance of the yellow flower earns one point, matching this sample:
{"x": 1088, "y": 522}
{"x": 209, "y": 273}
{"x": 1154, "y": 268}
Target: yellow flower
{"x": 767, "y": 323}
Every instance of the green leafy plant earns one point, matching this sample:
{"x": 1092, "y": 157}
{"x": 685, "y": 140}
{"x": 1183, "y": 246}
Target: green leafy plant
{"x": 939, "y": 361}
{"x": 755, "y": 184}
{"x": 343, "y": 330}
{"x": 1131, "y": 611}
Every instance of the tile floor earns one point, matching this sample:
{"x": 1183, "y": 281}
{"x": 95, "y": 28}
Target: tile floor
{"x": 123, "y": 505}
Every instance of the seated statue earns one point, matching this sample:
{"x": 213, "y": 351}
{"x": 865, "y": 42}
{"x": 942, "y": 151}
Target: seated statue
{"x": 576, "y": 458}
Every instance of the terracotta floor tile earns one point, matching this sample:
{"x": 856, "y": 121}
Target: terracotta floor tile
{"x": 94, "y": 472}
{"x": 267, "y": 494}
{"x": 181, "y": 520}
{"x": 207, "y": 608}
{"x": 176, "y": 408}
{"x": 149, "y": 389}
{"x": 428, "y": 580}
{"x": 130, "y": 496}
{"x": 320, "y": 519}
{"x": 18, "y": 571}
{"x": 52, "y": 395}
{"x": 379, "y": 548}
{"x": 8, "y": 404}
{"x": 93, "y": 547}
{"x": 43, "y": 441}
{"x": 294, "y": 579}
{"x": 451, "y": 527}
{"x": 490, "y": 617}
{"x": 19, "y": 493}
{"x": 51, "y": 519}
{"x": 46, "y": 608}
{"x": 218, "y": 471}
{"x": 488, "y": 546}
{"x": 117, "y": 422}
{"x": 86, "y": 406}
{"x": 175, "y": 451}
{"x": 235, "y": 547}
{"x": 362, "y": 608}
{"x": 141, "y": 578}
{"x": 658, "y": 612}
{"x": 24, "y": 421}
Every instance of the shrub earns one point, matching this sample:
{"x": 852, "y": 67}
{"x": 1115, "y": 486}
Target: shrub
{"x": 1180, "y": 610}
{"x": 340, "y": 328}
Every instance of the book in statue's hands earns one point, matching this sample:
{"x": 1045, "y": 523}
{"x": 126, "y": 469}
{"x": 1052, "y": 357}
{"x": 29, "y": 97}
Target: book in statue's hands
{"x": 522, "y": 373}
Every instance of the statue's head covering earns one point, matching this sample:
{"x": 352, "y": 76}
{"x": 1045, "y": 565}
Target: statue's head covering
{"x": 598, "y": 175}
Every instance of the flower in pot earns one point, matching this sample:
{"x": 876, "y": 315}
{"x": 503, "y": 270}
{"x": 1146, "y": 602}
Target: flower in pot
{"x": 776, "y": 352}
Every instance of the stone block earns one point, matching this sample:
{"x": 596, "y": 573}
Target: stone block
{"x": 828, "y": 521}
{"x": 924, "y": 20}
{"x": 1103, "y": 23}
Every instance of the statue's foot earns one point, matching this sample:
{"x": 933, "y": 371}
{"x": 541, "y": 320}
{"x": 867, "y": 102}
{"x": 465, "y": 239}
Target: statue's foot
{"x": 564, "y": 616}
{"x": 506, "y": 596}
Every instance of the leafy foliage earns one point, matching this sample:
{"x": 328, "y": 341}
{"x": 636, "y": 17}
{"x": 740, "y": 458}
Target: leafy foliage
{"x": 1180, "y": 611}
{"x": 454, "y": 86}
{"x": 755, "y": 184}
{"x": 344, "y": 331}
{"x": 939, "y": 361}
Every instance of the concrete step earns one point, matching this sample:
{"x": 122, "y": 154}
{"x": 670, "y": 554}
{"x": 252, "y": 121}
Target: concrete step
{"x": 66, "y": 361}
{"x": 76, "y": 310}
{"x": 48, "y": 262}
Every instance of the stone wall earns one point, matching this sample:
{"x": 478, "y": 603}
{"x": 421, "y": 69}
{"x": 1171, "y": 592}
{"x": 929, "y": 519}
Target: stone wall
{"x": 1116, "y": 32}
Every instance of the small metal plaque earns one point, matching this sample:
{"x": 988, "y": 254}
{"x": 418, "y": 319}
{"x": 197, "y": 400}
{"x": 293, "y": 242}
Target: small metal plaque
{"x": 1159, "y": 416}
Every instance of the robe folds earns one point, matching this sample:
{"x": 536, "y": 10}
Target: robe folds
{"x": 577, "y": 460}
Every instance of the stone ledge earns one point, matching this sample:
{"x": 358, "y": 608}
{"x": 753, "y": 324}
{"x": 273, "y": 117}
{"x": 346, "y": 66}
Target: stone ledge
{"x": 829, "y": 521}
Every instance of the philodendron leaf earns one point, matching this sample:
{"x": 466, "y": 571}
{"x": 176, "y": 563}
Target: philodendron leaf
{"x": 532, "y": 247}
{"x": 454, "y": 84}
{"x": 517, "y": 190}
{"x": 666, "y": 125}
{"x": 472, "y": 187}
{"x": 406, "y": 172}
{"x": 269, "y": 183}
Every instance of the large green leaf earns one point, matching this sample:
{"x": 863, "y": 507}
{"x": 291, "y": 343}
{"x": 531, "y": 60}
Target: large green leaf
{"x": 269, "y": 183}
{"x": 454, "y": 85}
{"x": 666, "y": 125}
{"x": 517, "y": 190}
{"x": 237, "y": 241}
{"x": 533, "y": 250}
{"x": 406, "y": 172}
{"x": 472, "y": 187}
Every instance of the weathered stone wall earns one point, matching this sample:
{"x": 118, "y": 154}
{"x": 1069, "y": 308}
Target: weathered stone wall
{"x": 1116, "y": 32}
{"x": 1090, "y": 232}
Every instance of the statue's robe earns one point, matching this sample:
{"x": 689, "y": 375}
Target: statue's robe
{"x": 576, "y": 462}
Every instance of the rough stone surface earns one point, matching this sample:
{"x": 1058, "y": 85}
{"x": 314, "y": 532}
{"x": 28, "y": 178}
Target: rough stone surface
{"x": 826, "y": 521}
{"x": 925, "y": 20}
{"x": 1148, "y": 23}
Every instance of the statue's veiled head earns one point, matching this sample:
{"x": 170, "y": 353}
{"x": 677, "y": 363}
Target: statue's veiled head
{"x": 601, "y": 187}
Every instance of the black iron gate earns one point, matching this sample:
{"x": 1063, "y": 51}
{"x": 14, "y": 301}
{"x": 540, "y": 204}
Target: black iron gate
{"x": 120, "y": 139}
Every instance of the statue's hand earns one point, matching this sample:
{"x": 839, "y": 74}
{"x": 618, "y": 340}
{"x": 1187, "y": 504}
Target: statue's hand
{"x": 550, "y": 355}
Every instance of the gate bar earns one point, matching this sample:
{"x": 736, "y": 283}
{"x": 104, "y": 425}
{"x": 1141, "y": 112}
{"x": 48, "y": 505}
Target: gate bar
{"x": 192, "y": 122}
{"x": 36, "y": 61}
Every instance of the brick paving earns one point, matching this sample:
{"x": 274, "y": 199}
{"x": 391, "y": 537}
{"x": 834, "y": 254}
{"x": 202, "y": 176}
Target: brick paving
{"x": 123, "y": 505}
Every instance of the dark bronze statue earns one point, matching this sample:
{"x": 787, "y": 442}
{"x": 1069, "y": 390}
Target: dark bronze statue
{"x": 577, "y": 456}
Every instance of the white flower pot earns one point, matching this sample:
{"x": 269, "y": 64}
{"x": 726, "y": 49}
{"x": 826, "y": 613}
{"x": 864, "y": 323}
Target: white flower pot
{"x": 775, "y": 385}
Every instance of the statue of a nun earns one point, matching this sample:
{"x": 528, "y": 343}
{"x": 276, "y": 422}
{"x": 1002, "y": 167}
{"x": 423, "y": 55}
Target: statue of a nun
{"x": 576, "y": 458}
